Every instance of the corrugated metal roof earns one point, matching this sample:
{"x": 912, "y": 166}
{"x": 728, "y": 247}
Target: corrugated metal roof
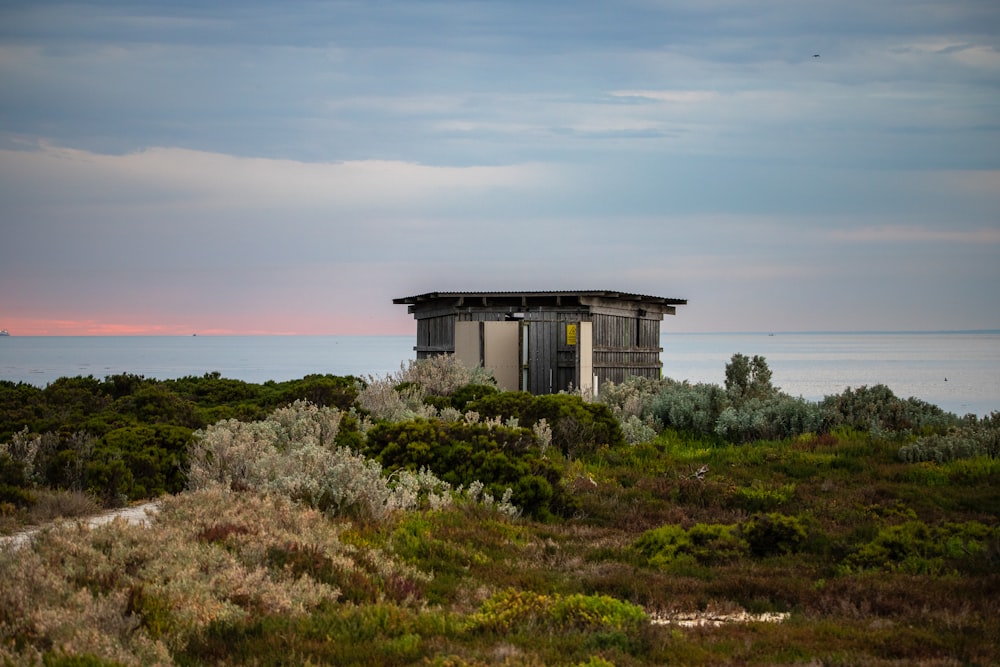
{"x": 607, "y": 294}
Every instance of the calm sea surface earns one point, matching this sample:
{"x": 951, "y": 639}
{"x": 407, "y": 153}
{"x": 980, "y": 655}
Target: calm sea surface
{"x": 958, "y": 371}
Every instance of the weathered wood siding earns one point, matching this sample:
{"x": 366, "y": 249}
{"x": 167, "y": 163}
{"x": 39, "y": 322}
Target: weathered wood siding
{"x": 435, "y": 335}
{"x": 626, "y": 346}
{"x": 552, "y": 361}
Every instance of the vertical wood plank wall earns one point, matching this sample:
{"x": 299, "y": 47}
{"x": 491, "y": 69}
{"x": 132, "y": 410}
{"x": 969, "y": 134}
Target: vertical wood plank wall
{"x": 626, "y": 346}
{"x": 435, "y": 335}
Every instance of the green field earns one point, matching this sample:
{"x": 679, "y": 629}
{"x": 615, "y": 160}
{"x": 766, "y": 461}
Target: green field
{"x": 428, "y": 519}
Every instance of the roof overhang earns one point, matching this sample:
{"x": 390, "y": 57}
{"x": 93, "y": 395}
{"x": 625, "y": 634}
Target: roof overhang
{"x": 557, "y": 298}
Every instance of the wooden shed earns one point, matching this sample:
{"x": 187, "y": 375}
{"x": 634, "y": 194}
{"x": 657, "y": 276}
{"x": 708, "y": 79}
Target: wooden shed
{"x": 545, "y": 342}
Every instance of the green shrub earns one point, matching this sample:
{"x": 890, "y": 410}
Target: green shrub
{"x": 156, "y": 404}
{"x": 916, "y": 548}
{"x": 748, "y": 378}
{"x": 16, "y": 496}
{"x": 761, "y": 497}
{"x": 511, "y": 609}
{"x": 774, "y": 534}
{"x": 323, "y": 390}
{"x": 109, "y": 479}
{"x": 578, "y": 427}
{"x": 156, "y": 456}
{"x": 707, "y": 544}
{"x": 465, "y": 394}
{"x": 461, "y": 453}
{"x": 12, "y": 471}
{"x": 712, "y": 544}
{"x": 595, "y": 612}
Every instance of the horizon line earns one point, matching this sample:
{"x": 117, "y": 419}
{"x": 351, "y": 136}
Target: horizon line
{"x": 761, "y": 332}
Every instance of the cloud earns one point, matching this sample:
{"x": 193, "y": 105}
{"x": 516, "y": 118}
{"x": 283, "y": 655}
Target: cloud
{"x": 979, "y": 182}
{"x": 212, "y": 179}
{"x": 669, "y": 96}
{"x": 911, "y": 234}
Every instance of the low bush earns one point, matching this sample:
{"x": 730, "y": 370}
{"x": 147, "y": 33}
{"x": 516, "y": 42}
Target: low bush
{"x": 468, "y": 393}
{"x": 774, "y": 534}
{"x": 689, "y": 408}
{"x": 134, "y": 595}
{"x": 461, "y": 453}
{"x": 877, "y": 409}
{"x": 914, "y": 547}
{"x": 294, "y": 453}
{"x": 443, "y": 375}
{"x": 774, "y": 417}
{"x": 510, "y": 609}
{"x": 966, "y": 442}
{"x": 706, "y": 544}
{"x": 578, "y": 427}
{"x": 761, "y": 497}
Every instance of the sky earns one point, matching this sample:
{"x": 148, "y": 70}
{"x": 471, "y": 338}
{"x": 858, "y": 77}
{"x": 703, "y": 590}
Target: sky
{"x": 249, "y": 167}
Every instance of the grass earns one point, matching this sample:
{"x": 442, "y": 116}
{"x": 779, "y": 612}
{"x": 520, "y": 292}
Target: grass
{"x": 881, "y": 577}
{"x": 47, "y": 506}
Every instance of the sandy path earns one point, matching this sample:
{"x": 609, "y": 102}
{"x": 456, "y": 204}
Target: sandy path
{"x": 138, "y": 514}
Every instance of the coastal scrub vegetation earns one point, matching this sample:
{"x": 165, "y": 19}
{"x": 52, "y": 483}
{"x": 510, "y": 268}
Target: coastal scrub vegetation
{"x": 427, "y": 518}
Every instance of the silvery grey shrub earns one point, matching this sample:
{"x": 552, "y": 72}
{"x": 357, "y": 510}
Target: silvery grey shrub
{"x": 293, "y": 453}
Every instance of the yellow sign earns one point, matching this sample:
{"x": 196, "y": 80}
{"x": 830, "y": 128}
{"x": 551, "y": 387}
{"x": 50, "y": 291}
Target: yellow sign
{"x": 571, "y": 334}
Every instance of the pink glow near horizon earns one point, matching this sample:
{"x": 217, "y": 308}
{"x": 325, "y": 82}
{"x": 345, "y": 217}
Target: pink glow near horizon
{"x": 121, "y": 326}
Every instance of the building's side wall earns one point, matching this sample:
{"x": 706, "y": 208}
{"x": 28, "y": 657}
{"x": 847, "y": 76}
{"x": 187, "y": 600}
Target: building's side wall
{"x": 626, "y": 346}
{"x": 435, "y": 335}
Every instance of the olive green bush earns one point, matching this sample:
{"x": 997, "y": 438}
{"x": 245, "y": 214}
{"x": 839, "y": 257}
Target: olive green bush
{"x": 461, "y": 453}
{"x": 578, "y": 427}
{"x": 748, "y": 378}
{"x": 761, "y": 535}
{"x": 13, "y": 482}
{"x": 127, "y": 463}
{"x": 914, "y": 547}
{"x": 774, "y": 533}
{"x": 761, "y": 497}
{"x": 706, "y": 544}
{"x": 511, "y": 609}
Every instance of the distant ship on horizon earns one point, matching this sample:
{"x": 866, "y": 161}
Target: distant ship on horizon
{"x": 4, "y": 332}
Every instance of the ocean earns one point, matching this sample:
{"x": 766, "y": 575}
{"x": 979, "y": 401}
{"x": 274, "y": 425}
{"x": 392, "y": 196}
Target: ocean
{"x": 958, "y": 371}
